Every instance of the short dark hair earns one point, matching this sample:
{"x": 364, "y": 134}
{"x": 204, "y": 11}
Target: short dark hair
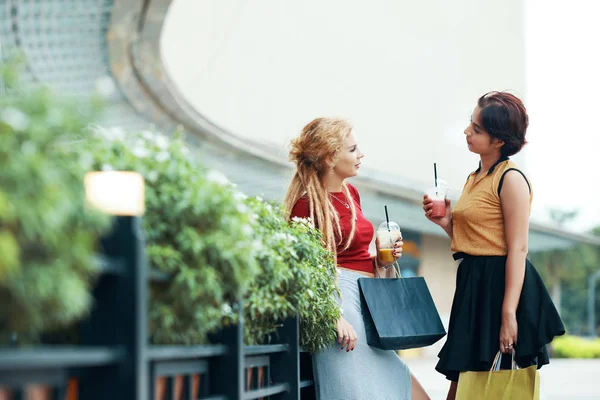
{"x": 503, "y": 116}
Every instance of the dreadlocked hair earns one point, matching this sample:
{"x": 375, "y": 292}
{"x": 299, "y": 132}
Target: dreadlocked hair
{"x": 314, "y": 152}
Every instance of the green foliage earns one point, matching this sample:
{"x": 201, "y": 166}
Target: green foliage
{"x": 560, "y": 217}
{"x": 575, "y": 347}
{"x": 584, "y": 261}
{"x": 220, "y": 247}
{"x": 297, "y": 276}
{"x": 214, "y": 243}
{"x": 571, "y": 268}
{"x": 47, "y": 237}
{"x": 197, "y": 230}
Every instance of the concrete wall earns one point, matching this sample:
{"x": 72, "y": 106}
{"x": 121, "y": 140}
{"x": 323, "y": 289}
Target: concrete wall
{"x": 438, "y": 267}
{"x": 406, "y": 73}
{"x": 439, "y": 270}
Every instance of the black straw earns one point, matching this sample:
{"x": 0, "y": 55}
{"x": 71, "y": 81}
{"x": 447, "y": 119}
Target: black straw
{"x": 387, "y": 218}
{"x": 435, "y": 173}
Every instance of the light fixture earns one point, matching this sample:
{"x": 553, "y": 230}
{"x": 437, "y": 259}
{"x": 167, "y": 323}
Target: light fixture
{"x": 118, "y": 193}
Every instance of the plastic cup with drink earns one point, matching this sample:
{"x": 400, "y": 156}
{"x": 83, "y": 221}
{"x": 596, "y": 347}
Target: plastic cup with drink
{"x": 388, "y": 234}
{"x": 387, "y": 238}
{"x": 438, "y": 194}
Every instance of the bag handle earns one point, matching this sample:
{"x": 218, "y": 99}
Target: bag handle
{"x": 498, "y": 361}
{"x": 395, "y": 265}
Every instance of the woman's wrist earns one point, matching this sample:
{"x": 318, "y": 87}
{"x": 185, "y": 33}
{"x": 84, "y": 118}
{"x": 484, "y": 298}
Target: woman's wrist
{"x": 447, "y": 227}
{"x": 508, "y": 313}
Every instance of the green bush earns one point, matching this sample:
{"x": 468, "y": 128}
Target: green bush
{"x": 197, "y": 230}
{"x": 47, "y": 237}
{"x": 220, "y": 247}
{"x": 575, "y": 347}
{"x": 297, "y": 276}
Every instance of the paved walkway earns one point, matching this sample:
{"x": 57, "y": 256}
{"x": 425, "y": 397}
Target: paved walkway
{"x": 561, "y": 380}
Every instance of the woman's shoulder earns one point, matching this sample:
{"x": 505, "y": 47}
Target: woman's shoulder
{"x": 511, "y": 171}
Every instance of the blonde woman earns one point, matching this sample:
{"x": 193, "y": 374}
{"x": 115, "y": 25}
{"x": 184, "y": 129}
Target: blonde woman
{"x": 326, "y": 153}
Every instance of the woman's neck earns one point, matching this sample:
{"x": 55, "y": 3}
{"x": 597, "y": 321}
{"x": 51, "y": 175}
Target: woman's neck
{"x": 488, "y": 160}
{"x": 333, "y": 183}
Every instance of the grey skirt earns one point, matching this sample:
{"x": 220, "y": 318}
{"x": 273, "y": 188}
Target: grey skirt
{"x": 366, "y": 373}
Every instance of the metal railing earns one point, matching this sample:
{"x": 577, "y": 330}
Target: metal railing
{"x": 115, "y": 360}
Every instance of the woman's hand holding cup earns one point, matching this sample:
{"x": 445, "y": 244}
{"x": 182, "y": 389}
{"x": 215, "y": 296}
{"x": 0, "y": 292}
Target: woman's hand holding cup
{"x": 388, "y": 243}
{"x": 433, "y": 212}
{"x": 436, "y": 204}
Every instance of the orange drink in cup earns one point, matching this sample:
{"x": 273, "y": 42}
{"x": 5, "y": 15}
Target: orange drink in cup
{"x": 388, "y": 234}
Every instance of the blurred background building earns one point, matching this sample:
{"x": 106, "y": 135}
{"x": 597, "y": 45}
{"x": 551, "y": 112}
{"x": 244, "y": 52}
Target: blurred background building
{"x": 244, "y": 77}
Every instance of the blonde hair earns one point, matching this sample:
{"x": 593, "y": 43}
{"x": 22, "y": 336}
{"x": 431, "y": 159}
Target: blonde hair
{"x": 314, "y": 152}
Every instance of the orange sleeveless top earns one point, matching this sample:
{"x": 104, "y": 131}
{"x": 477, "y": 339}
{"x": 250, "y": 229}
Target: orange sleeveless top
{"x": 477, "y": 219}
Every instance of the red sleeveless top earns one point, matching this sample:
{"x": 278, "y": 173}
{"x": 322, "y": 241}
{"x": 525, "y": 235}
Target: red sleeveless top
{"x": 357, "y": 256}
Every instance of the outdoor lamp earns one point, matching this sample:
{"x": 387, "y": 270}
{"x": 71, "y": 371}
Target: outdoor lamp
{"x": 119, "y": 193}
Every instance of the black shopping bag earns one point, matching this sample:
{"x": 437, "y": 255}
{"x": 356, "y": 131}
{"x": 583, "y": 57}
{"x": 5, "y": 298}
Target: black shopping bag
{"x": 399, "y": 313}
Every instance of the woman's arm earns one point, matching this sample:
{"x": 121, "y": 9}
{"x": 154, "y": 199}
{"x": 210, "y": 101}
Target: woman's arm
{"x": 515, "y": 200}
{"x": 448, "y": 227}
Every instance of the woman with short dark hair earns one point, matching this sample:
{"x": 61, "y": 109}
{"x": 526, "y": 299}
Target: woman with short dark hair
{"x": 500, "y": 303}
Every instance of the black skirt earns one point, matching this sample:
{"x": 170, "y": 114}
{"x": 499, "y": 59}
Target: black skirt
{"x": 474, "y": 331}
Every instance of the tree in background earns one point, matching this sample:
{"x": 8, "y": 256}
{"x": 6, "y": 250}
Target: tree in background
{"x": 555, "y": 265}
{"x": 575, "y": 290}
{"x": 566, "y": 272}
